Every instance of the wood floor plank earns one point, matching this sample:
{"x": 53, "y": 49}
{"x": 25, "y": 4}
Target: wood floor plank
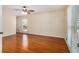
{"x": 23, "y": 43}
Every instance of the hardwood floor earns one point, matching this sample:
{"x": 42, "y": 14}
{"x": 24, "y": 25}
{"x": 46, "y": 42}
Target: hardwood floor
{"x": 22, "y": 43}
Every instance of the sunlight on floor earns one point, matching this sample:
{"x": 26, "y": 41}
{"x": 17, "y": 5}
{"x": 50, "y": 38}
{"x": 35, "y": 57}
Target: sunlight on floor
{"x": 25, "y": 41}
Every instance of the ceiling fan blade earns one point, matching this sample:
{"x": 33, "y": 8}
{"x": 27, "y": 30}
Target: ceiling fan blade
{"x": 31, "y": 10}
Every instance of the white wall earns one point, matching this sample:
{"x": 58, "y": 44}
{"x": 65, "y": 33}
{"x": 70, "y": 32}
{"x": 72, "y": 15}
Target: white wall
{"x": 0, "y": 18}
{"x": 0, "y": 28}
{"x": 69, "y": 15}
{"x": 66, "y": 23}
{"x": 47, "y": 23}
{"x": 9, "y": 22}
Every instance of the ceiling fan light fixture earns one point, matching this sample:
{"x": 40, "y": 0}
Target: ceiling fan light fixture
{"x": 24, "y": 13}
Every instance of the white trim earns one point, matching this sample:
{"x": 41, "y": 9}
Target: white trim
{"x": 9, "y": 34}
{"x": 46, "y": 35}
{"x": 67, "y": 45}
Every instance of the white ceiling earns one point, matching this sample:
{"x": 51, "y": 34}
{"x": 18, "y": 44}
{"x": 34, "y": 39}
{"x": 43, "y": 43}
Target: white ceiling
{"x": 37, "y": 8}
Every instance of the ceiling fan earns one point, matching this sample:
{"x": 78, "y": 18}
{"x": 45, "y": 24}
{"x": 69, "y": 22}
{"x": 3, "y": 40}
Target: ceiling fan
{"x": 25, "y": 10}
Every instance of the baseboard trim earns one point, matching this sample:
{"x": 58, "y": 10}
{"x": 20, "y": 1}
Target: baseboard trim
{"x": 45, "y": 36}
{"x": 21, "y": 33}
{"x": 67, "y": 45}
{"x": 9, "y": 35}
